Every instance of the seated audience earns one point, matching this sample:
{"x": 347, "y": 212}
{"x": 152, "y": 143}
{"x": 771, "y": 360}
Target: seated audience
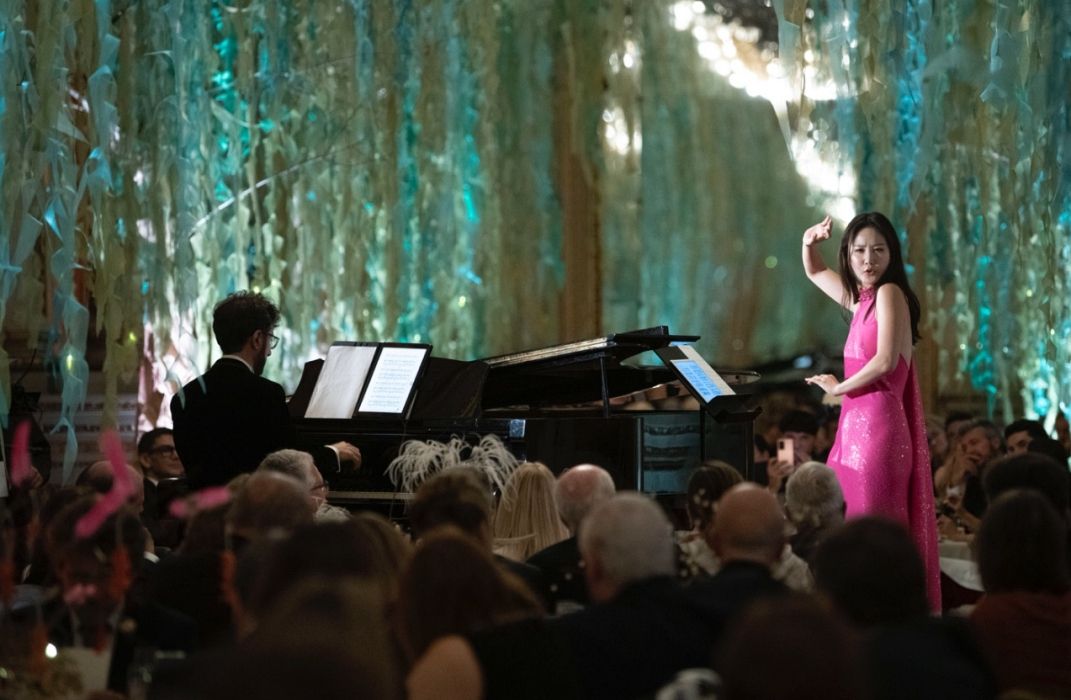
{"x": 326, "y": 639}
{"x": 301, "y": 467}
{"x": 459, "y": 497}
{"x": 1049, "y": 447}
{"x": 526, "y": 520}
{"x": 699, "y": 556}
{"x": 1020, "y": 433}
{"x": 791, "y": 647}
{"x": 801, "y": 427}
{"x": 369, "y": 549}
{"x": 814, "y": 504}
{"x": 195, "y": 580}
{"x": 872, "y": 573}
{"x": 1034, "y": 471}
{"x": 640, "y": 630}
{"x": 267, "y": 502}
{"x": 1024, "y": 618}
{"x": 452, "y": 585}
{"x": 706, "y": 485}
{"x": 577, "y": 492}
{"x": 748, "y": 538}
{"x": 957, "y": 482}
{"x": 164, "y": 481}
{"x": 100, "y": 605}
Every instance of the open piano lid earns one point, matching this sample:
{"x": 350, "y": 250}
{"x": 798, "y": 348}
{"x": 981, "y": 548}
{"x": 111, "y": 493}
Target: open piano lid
{"x": 574, "y": 373}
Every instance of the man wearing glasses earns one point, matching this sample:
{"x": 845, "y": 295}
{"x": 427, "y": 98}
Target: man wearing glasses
{"x": 229, "y": 418}
{"x": 163, "y": 472}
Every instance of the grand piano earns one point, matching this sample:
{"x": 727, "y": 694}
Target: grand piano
{"x": 560, "y": 405}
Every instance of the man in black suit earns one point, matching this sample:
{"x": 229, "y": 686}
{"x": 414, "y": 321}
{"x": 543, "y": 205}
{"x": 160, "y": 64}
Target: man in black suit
{"x": 228, "y": 419}
{"x": 165, "y": 480}
{"x": 640, "y": 630}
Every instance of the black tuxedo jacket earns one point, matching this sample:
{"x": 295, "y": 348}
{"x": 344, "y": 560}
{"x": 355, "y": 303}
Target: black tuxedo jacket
{"x": 563, "y": 572}
{"x": 228, "y": 420}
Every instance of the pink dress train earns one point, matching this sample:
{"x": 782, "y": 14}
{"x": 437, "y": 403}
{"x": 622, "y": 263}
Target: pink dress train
{"x": 880, "y": 454}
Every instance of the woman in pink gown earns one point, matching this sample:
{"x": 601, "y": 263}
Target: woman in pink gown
{"x": 880, "y": 454}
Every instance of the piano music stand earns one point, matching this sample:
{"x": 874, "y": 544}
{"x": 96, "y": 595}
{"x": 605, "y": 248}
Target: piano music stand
{"x": 715, "y": 396}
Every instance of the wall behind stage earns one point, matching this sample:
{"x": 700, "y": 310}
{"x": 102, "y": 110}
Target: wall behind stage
{"x": 493, "y": 175}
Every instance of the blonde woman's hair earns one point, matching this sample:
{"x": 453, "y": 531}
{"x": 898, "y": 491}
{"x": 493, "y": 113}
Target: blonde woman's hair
{"x": 527, "y": 518}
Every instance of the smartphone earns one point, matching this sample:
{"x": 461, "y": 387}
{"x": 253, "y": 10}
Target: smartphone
{"x": 786, "y": 450}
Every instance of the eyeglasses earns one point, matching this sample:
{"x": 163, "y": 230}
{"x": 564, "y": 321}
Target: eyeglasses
{"x": 273, "y": 340}
{"x": 165, "y": 450}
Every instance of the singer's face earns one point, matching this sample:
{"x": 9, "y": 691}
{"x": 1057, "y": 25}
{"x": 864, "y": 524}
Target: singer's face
{"x": 869, "y": 257}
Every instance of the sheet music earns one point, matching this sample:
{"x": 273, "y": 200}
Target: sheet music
{"x": 700, "y": 377}
{"x": 339, "y": 385}
{"x": 697, "y": 379}
{"x": 392, "y": 380}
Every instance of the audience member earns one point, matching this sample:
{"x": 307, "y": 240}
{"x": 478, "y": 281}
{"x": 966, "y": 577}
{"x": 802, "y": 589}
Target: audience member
{"x": 526, "y": 520}
{"x": 1020, "y": 433}
{"x": 814, "y": 505}
{"x": 195, "y": 581}
{"x": 1063, "y": 430}
{"x": 706, "y": 485}
{"x": 267, "y": 501}
{"x": 790, "y": 647}
{"x": 459, "y": 497}
{"x": 870, "y": 570}
{"x": 957, "y": 482}
{"x": 1031, "y": 470}
{"x": 325, "y": 638}
{"x": 1051, "y": 448}
{"x": 577, "y": 491}
{"x": 350, "y": 549}
{"x": 100, "y": 604}
{"x": 1024, "y": 619}
{"x": 301, "y": 467}
{"x": 748, "y": 537}
{"x": 452, "y": 585}
{"x": 801, "y": 427}
{"x": 164, "y": 482}
{"x": 700, "y": 557}
{"x": 642, "y": 628}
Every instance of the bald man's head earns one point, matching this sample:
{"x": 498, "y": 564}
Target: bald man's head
{"x": 578, "y": 490}
{"x": 748, "y": 526}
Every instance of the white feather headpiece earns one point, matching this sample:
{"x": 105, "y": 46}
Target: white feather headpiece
{"x": 419, "y": 460}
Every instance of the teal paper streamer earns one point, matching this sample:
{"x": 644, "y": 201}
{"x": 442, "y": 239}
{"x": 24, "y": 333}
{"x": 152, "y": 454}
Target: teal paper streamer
{"x": 388, "y": 170}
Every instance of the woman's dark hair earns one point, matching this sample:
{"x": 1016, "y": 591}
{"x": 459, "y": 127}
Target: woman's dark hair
{"x": 895, "y": 273}
{"x": 1022, "y": 545}
{"x": 707, "y": 484}
{"x": 872, "y": 572}
{"x": 452, "y": 585}
{"x": 239, "y": 316}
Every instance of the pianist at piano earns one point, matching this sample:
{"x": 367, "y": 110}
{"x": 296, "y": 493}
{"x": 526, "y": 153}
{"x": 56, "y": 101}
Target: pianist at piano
{"x": 230, "y": 418}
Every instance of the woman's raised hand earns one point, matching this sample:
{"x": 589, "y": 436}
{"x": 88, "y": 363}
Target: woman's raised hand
{"x": 818, "y": 232}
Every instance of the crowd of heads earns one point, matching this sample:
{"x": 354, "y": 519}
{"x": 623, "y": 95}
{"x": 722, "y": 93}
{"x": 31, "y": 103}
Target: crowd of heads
{"x": 263, "y": 583}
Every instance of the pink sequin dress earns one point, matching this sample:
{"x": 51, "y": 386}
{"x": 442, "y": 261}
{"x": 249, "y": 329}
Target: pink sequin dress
{"x": 880, "y": 454}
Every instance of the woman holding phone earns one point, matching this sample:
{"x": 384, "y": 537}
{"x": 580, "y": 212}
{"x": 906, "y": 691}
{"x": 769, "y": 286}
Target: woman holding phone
{"x": 880, "y": 454}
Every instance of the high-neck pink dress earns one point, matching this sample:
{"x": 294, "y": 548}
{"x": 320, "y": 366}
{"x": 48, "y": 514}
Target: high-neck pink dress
{"x": 880, "y": 454}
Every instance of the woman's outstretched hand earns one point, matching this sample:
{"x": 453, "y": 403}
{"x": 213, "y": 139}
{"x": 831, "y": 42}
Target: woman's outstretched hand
{"x": 818, "y": 232}
{"x": 827, "y": 382}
